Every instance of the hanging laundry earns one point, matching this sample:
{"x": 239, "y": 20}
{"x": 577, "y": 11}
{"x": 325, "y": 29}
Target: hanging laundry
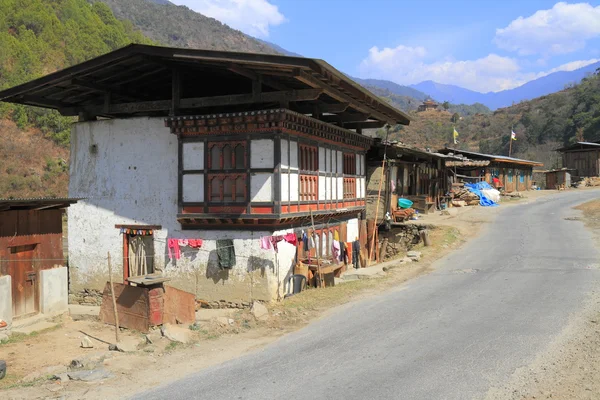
{"x": 182, "y": 242}
{"x": 265, "y": 243}
{"x": 291, "y": 238}
{"x": 336, "y": 235}
{"x": 343, "y": 253}
{"x": 274, "y": 240}
{"x": 349, "y": 252}
{"x": 225, "y": 253}
{"x": 305, "y": 241}
{"x": 356, "y": 254}
{"x": 195, "y": 243}
{"x": 173, "y": 244}
{"x": 312, "y": 241}
{"x": 335, "y": 249}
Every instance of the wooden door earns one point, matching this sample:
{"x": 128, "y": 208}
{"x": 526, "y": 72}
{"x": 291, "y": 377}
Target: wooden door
{"x": 24, "y": 276}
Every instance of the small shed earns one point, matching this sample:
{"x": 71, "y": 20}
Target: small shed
{"x": 582, "y": 158}
{"x": 32, "y": 255}
{"x": 514, "y": 174}
{"x": 558, "y": 178}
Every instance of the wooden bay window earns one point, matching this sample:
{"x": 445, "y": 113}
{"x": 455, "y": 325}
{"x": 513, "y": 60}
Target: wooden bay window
{"x": 227, "y": 177}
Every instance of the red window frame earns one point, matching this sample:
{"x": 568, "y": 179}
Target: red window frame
{"x": 349, "y": 188}
{"x": 229, "y": 172}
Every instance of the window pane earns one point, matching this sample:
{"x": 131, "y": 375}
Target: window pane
{"x": 228, "y": 189}
{"x": 227, "y": 154}
{"x": 240, "y": 157}
{"x": 215, "y": 157}
{"x": 240, "y": 189}
{"x": 215, "y": 189}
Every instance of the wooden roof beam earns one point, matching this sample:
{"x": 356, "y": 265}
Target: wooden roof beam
{"x": 338, "y": 95}
{"x": 256, "y": 77}
{"x": 202, "y": 102}
{"x": 325, "y": 108}
{"x": 364, "y": 125}
{"x": 102, "y": 88}
{"x": 345, "y": 117}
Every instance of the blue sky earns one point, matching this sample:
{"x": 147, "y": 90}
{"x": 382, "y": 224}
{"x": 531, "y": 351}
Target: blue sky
{"x": 480, "y": 45}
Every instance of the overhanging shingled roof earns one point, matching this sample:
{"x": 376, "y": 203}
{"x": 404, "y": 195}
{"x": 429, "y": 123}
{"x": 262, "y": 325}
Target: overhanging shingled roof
{"x": 152, "y": 80}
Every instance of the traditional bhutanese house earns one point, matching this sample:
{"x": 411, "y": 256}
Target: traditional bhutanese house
{"x": 33, "y": 276}
{"x": 191, "y": 160}
{"x": 558, "y": 178}
{"x": 427, "y": 105}
{"x": 583, "y": 158}
{"x": 417, "y": 175}
{"x": 514, "y": 174}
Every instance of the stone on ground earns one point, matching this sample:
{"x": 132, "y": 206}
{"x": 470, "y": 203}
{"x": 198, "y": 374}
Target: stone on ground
{"x": 176, "y": 333}
{"x": 259, "y": 311}
{"x": 415, "y": 255}
{"x": 89, "y": 376}
{"x": 86, "y": 343}
{"x": 126, "y": 345}
{"x": 224, "y": 321}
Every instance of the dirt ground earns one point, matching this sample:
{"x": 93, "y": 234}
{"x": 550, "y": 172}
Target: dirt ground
{"x": 33, "y": 359}
{"x": 570, "y": 367}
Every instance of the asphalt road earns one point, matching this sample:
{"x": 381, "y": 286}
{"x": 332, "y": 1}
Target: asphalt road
{"x": 488, "y": 309}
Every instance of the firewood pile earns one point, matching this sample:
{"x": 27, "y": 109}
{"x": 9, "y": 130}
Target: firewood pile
{"x": 463, "y": 197}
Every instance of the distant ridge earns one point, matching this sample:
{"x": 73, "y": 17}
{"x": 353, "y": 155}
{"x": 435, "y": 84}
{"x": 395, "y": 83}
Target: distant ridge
{"x": 551, "y": 83}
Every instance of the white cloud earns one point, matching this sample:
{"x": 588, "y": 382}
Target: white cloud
{"x": 253, "y": 17}
{"x": 570, "y": 66}
{"x": 564, "y": 28}
{"x": 407, "y": 65}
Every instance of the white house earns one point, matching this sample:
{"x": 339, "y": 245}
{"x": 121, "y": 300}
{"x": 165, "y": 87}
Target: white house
{"x": 176, "y": 146}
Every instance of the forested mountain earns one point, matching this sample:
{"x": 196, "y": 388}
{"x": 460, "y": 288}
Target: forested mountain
{"x": 38, "y": 37}
{"x": 178, "y": 26}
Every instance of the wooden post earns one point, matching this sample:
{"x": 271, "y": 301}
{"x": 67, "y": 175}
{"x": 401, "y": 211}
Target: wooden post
{"x": 319, "y": 272}
{"x": 372, "y": 244}
{"x": 114, "y": 300}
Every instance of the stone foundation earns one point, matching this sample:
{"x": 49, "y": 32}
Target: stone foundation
{"x": 88, "y": 297}
{"x": 401, "y": 239}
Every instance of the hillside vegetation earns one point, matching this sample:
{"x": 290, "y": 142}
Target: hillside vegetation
{"x": 178, "y": 26}
{"x": 38, "y": 37}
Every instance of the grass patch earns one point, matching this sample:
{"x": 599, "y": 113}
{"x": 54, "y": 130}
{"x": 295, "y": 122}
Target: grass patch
{"x": 17, "y": 337}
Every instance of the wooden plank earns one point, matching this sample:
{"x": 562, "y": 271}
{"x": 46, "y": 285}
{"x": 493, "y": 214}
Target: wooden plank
{"x": 179, "y": 306}
{"x": 202, "y": 102}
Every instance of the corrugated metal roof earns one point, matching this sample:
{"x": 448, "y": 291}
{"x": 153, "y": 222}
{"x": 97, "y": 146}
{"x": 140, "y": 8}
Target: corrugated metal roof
{"x": 492, "y": 157}
{"x": 575, "y": 146}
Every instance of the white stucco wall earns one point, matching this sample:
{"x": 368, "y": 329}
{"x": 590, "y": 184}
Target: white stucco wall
{"x": 261, "y": 187}
{"x": 6, "y": 311}
{"x": 263, "y": 153}
{"x": 132, "y": 179}
{"x": 54, "y": 291}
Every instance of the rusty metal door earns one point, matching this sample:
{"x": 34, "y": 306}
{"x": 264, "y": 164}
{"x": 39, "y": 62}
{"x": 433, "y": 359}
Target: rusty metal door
{"x": 21, "y": 267}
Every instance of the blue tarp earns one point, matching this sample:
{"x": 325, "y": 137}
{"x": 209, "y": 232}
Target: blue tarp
{"x": 477, "y": 188}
